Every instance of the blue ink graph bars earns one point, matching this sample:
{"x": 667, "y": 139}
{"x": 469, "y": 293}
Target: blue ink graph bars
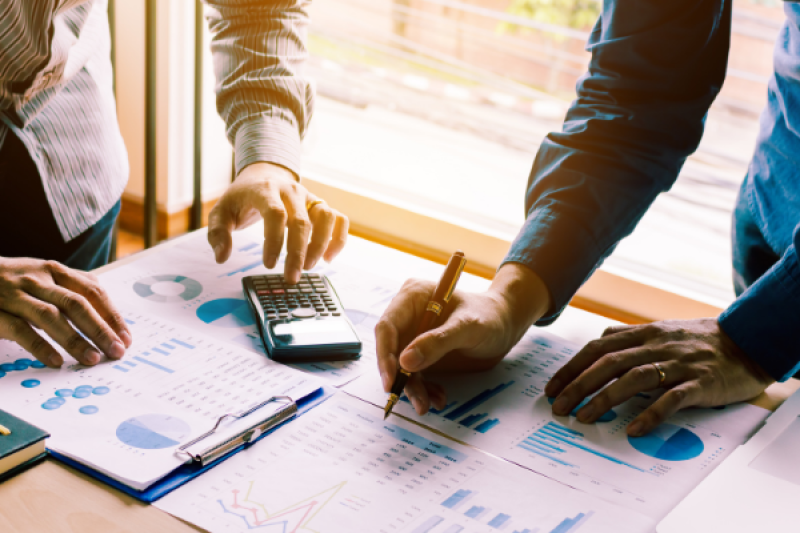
{"x": 481, "y": 398}
{"x": 458, "y": 498}
{"x": 154, "y": 365}
{"x": 553, "y": 439}
{"x": 429, "y": 524}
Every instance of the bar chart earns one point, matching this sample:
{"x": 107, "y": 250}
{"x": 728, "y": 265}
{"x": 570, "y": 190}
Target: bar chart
{"x": 553, "y": 439}
{"x": 462, "y": 502}
{"x": 163, "y": 349}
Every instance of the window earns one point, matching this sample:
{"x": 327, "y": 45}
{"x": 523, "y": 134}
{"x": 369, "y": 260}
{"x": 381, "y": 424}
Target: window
{"x": 440, "y": 105}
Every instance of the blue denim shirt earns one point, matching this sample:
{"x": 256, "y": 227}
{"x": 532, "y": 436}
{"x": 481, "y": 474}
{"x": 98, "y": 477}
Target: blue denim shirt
{"x": 656, "y": 67}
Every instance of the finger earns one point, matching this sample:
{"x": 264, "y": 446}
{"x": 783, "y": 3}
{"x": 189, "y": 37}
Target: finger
{"x": 323, "y": 220}
{"x": 52, "y": 321}
{"x": 437, "y": 395}
{"x": 590, "y": 353}
{"x": 636, "y": 380}
{"x": 89, "y": 287}
{"x": 684, "y": 395}
{"x": 386, "y": 340}
{"x": 84, "y": 316}
{"x": 424, "y": 351}
{"x": 418, "y": 394}
{"x": 603, "y": 371}
{"x": 15, "y": 329}
{"x": 274, "y": 213}
{"x": 299, "y": 230}
{"x": 339, "y": 237}
{"x": 618, "y": 328}
{"x": 404, "y": 312}
{"x": 221, "y": 223}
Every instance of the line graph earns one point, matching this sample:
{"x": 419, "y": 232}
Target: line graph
{"x": 288, "y": 519}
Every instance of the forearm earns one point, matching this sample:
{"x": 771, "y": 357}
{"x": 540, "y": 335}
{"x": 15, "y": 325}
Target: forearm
{"x": 655, "y": 69}
{"x": 259, "y": 50}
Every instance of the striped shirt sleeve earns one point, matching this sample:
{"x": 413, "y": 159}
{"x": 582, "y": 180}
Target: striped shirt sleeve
{"x": 259, "y": 50}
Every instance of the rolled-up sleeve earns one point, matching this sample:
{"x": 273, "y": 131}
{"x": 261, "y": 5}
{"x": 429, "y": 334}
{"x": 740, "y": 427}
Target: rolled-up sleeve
{"x": 655, "y": 69}
{"x": 259, "y": 50}
{"x": 764, "y": 321}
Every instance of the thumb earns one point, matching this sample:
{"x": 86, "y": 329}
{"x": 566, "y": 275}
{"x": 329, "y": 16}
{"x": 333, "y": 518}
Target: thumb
{"x": 429, "y": 347}
{"x": 221, "y": 224}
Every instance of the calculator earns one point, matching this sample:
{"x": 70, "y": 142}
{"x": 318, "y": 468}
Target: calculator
{"x": 302, "y": 323}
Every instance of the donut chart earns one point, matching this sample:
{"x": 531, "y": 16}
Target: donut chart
{"x": 167, "y": 288}
{"x": 669, "y": 442}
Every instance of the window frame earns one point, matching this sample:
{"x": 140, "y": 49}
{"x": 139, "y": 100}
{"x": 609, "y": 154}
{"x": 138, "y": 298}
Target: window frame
{"x": 611, "y": 291}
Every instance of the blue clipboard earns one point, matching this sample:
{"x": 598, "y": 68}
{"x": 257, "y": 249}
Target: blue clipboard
{"x": 187, "y": 472}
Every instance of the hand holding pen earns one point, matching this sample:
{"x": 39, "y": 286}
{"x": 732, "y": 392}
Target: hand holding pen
{"x": 433, "y": 312}
{"x": 475, "y": 331}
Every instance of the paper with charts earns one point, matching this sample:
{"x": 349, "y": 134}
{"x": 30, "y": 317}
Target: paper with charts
{"x": 126, "y": 418}
{"x": 184, "y": 284}
{"x": 342, "y": 469}
{"x": 505, "y": 412}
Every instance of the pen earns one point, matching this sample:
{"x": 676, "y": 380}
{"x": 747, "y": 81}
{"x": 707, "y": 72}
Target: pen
{"x": 4, "y": 430}
{"x": 442, "y": 294}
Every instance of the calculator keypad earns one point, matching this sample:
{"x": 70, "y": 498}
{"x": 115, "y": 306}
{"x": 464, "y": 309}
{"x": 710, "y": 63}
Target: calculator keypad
{"x": 310, "y": 297}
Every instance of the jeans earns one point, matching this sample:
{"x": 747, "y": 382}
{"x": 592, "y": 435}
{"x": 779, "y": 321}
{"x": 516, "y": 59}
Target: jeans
{"x": 27, "y": 225}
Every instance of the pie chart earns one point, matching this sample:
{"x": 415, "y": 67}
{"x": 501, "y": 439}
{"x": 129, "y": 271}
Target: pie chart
{"x": 167, "y": 288}
{"x": 669, "y": 443}
{"x": 153, "y": 432}
{"x": 226, "y": 313}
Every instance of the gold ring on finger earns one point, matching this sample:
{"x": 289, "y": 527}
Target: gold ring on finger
{"x": 662, "y": 376}
{"x": 310, "y": 204}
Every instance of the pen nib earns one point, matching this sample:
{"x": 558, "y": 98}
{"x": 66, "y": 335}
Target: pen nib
{"x": 389, "y": 406}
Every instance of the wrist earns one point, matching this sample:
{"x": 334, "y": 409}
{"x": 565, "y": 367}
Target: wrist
{"x": 524, "y": 294}
{"x": 263, "y": 170}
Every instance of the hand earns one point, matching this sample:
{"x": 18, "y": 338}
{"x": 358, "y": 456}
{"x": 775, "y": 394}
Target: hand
{"x": 703, "y": 368}
{"x": 477, "y": 331}
{"x": 49, "y": 296}
{"x": 272, "y": 192}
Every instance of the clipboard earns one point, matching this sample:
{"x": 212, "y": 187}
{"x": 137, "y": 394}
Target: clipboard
{"x": 215, "y": 452}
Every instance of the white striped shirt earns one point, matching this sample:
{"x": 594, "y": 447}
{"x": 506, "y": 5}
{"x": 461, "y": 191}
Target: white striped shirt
{"x": 56, "y": 94}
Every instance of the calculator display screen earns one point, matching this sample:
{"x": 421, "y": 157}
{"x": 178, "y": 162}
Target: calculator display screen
{"x": 313, "y": 332}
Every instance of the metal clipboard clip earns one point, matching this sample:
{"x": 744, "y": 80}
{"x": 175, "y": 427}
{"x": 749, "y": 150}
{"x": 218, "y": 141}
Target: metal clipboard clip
{"x": 214, "y": 451}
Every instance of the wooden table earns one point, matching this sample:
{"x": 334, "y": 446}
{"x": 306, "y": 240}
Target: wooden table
{"x": 54, "y": 498}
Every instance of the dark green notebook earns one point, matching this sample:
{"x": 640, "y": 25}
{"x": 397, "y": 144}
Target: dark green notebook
{"x": 22, "y": 448}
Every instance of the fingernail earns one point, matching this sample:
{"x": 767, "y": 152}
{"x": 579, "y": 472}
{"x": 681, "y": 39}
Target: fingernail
{"x": 91, "y": 356}
{"x": 272, "y": 260}
{"x": 217, "y": 251}
{"x": 586, "y": 413}
{"x": 635, "y": 429}
{"x": 126, "y": 339}
{"x": 55, "y": 360}
{"x": 554, "y": 385}
{"x": 561, "y": 405}
{"x": 116, "y": 351}
{"x": 411, "y": 359}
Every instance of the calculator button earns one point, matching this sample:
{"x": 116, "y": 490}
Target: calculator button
{"x": 337, "y": 314}
{"x": 262, "y": 292}
{"x": 272, "y": 316}
{"x": 313, "y": 276}
{"x": 324, "y": 314}
{"x": 305, "y": 291}
{"x": 305, "y": 304}
{"x": 319, "y": 308}
{"x": 304, "y": 313}
{"x": 275, "y": 277}
{"x": 322, "y": 291}
{"x": 277, "y": 291}
{"x": 292, "y": 291}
